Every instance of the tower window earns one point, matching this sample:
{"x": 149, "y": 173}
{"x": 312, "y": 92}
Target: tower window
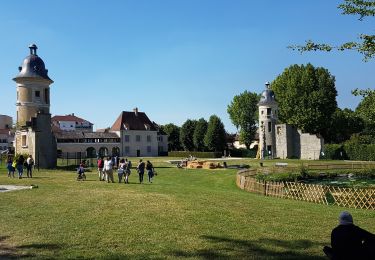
{"x": 23, "y": 141}
{"x": 46, "y": 95}
{"x": 269, "y": 110}
{"x": 37, "y": 94}
{"x": 269, "y": 127}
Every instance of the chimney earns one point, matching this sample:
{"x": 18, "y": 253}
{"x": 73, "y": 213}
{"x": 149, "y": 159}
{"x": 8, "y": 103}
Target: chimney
{"x": 135, "y": 110}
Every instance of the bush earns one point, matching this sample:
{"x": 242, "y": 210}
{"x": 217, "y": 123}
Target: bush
{"x": 334, "y": 152}
{"x": 184, "y": 154}
{"x": 244, "y": 153}
{"x": 360, "y": 152}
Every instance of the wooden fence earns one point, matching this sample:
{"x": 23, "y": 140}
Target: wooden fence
{"x": 362, "y": 198}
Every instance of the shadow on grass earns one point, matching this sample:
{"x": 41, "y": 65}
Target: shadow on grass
{"x": 14, "y": 252}
{"x": 227, "y": 248}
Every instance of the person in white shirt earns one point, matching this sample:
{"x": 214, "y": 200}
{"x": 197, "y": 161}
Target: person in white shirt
{"x": 108, "y": 169}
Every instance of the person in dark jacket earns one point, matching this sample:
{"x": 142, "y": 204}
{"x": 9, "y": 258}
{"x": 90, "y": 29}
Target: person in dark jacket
{"x": 20, "y": 162}
{"x": 150, "y": 171}
{"x": 141, "y": 170}
{"x": 349, "y": 241}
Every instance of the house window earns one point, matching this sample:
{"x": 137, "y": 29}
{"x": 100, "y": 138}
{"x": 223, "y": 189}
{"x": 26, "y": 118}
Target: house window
{"x": 262, "y": 112}
{"x": 127, "y": 138}
{"x": 138, "y": 138}
{"x": 24, "y": 141}
{"x": 269, "y": 127}
{"x": 149, "y": 149}
{"x": 149, "y": 138}
{"x": 127, "y": 149}
{"x": 37, "y": 94}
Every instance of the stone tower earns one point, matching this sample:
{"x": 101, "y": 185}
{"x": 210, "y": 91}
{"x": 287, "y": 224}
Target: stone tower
{"x": 33, "y": 135}
{"x": 267, "y": 121}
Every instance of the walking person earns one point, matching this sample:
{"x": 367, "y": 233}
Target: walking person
{"x": 141, "y": 170}
{"x": 150, "y": 171}
{"x": 29, "y": 166}
{"x": 100, "y": 168}
{"x": 19, "y": 164}
{"x": 121, "y": 170}
{"x": 108, "y": 169}
{"x": 10, "y": 167}
{"x": 128, "y": 166}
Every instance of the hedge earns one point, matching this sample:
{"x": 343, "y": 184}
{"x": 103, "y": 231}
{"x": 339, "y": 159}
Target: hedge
{"x": 243, "y": 153}
{"x": 184, "y": 154}
{"x": 349, "y": 151}
{"x": 360, "y": 152}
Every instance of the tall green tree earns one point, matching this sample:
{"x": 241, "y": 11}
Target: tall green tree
{"x": 243, "y": 112}
{"x": 186, "y": 135}
{"x": 307, "y": 97}
{"x": 199, "y": 133}
{"x": 366, "y": 43}
{"x": 366, "y": 109}
{"x": 215, "y": 138}
{"x": 173, "y": 132}
{"x": 344, "y": 124}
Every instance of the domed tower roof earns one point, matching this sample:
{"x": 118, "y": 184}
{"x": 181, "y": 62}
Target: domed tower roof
{"x": 268, "y": 97}
{"x": 33, "y": 66}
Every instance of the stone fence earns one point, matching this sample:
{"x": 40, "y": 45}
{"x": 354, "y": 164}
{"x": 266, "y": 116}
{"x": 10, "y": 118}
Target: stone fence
{"x": 362, "y": 198}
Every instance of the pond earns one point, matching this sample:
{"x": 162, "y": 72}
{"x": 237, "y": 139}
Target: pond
{"x": 345, "y": 181}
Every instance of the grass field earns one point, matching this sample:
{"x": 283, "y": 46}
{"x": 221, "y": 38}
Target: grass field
{"x": 186, "y": 214}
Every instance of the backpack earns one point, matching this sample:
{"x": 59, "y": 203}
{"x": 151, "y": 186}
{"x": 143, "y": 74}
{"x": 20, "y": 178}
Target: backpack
{"x": 100, "y": 164}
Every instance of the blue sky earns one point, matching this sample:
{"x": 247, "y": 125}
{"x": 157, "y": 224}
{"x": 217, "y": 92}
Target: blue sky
{"x": 173, "y": 59}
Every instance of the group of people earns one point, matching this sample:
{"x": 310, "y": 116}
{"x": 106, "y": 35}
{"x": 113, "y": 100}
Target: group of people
{"x": 20, "y": 163}
{"x": 107, "y": 166}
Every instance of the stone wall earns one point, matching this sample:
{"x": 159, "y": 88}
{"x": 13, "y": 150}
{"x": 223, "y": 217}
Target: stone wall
{"x": 292, "y": 143}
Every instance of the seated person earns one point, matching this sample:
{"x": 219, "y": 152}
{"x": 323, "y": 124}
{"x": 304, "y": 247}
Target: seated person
{"x": 349, "y": 241}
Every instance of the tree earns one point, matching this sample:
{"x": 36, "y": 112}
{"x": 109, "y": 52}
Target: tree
{"x": 344, "y": 124}
{"x": 199, "y": 133}
{"x": 186, "y": 135}
{"x": 243, "y": 112}
{"x": 366, "y": 43}
{"x": 306, "y": 97}
{"x": 173, "y": 133}
{"x": 366, "y": 109}
{"x": 215, "y": 136}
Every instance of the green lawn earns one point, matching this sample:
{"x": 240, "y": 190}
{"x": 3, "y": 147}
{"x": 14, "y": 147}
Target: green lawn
{"x": 187, "y": 214}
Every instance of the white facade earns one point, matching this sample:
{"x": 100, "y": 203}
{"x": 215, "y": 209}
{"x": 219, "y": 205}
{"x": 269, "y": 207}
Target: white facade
{"x": 139, "y": 143}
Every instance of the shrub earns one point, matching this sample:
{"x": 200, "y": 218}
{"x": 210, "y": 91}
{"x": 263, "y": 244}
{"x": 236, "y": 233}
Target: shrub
{"x": 334, "y": 152}
{"x": 242, "y": 152}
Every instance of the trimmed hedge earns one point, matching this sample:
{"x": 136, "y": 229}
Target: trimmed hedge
{"x": 185, "y": 154}
{"x": 360, "y": 152}
{"x": 245, "y": 153}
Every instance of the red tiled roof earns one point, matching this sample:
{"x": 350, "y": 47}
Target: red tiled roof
{"x": 132, "y": 121}
{"x": 69, "y": 118}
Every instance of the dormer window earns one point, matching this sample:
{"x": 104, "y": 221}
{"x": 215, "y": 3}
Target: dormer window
{"x": 126, "y": 126}
{"x": 147, "y": 126}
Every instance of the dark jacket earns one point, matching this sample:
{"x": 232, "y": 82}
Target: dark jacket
{"x": 351, "y": 242}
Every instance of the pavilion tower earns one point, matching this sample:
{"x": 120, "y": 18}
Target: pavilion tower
{"x": 267, "y": 121}
{"x": 33, "y": 134}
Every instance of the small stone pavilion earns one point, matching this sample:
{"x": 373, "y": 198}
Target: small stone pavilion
{"x": 283, "y": 140}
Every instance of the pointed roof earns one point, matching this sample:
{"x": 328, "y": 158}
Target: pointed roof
{"x": 133, "y": 121}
